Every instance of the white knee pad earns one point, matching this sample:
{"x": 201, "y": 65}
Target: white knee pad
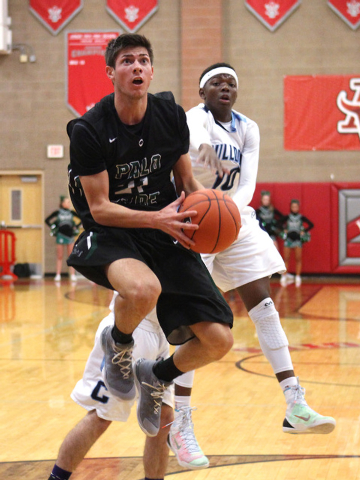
{"x": 272, "y": 338}
{"x": 268, "y": 326}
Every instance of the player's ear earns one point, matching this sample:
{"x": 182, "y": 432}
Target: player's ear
{"x": 110, "y": 73}
{"x": 202, "y": 93}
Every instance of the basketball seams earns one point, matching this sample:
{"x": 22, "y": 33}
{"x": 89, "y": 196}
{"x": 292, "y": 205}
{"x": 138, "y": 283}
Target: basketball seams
{"x": 193, "y": 207}
{"x": 232, "y": 216}
{"x": 216, "y": 223}
{"x": 202, "y": 218}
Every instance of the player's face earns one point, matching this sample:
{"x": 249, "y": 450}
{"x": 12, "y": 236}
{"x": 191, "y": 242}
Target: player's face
{"x": 133, "y": 72}
{"x": 219, "y": 95}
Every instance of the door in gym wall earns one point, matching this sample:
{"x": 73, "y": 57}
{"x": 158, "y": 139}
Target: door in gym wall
{"x": 21, "y": 211}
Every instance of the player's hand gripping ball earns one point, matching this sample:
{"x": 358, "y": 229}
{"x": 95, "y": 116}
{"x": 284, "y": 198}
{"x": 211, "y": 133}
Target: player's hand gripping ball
{"x": 218, "y": 218}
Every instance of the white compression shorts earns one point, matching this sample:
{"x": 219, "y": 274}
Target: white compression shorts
{"x": 90, "y": 392}
{"x": 252, "y": 256}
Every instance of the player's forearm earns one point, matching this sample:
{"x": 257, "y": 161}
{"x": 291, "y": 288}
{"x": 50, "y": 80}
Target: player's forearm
{"x": 191, "y": 186}
{"x": 112, "y": 215}
{"x": 243, "y": 196}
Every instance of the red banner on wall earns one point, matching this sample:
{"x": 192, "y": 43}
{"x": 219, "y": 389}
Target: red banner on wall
{"x": 348, "y": 10}
{"x": 131, "y": 14}
{"x": 87, "y": 81}
{"x": 336, "y": 218}
{"x": 322, "y": 112}
{"x": 272, "y": 13}
{"x": 54, "y": 15}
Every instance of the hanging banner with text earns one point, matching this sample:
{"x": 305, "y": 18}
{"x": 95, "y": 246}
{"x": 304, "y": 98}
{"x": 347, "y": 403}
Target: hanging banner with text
{"x": 86, "y": 79}
{"x": 131, "y": 14}
{"x": 54, "y": 15}
{"x": 348, "y": 10}
{"x": 322, "y": 112}
{"x": 272, "y": 13}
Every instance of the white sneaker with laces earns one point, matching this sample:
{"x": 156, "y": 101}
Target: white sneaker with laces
{"x": 73, "y": 278}
{"x": 283, "y": 280}
{"x": 183, "y": 443}
{"x": 297, "y": 281}
{"x": 300, "y": 418}
{"x": 57, "y": 278}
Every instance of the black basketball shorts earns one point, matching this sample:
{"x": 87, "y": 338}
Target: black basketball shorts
{"x": 188, "y": 295}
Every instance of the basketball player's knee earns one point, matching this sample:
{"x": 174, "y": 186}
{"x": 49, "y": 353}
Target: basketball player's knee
{"x": 219, "y": 341}
{"x": 268, "y": 326}
{"x": 226, "y": 341}
{"x": 145, "y": 293}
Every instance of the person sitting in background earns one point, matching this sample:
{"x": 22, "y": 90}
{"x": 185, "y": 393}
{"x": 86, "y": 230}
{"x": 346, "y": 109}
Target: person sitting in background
{"x": 269, "y": 217}
{"x": 295, "y": 233}
{"x": 64, "y": 228}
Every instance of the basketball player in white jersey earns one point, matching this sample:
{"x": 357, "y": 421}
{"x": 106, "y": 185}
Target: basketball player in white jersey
{"x": 91, "y": 393}
{"x": 220, "y": 135}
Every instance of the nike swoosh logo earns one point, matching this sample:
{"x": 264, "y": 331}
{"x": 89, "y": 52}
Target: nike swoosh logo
{"x": 111, "y": 140}
{"x": 177, "y": 445}
{"x": 303, "y": 418}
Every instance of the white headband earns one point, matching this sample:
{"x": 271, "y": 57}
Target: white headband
{"x": 218, "y": 71}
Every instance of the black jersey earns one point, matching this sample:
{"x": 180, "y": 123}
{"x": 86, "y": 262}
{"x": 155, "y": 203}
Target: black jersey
{"x": 139, "y": 159}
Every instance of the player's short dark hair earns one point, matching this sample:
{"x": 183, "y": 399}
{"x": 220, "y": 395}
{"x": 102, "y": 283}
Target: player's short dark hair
{"x": 123, "y": 41}
{"x": 215, "y": 65}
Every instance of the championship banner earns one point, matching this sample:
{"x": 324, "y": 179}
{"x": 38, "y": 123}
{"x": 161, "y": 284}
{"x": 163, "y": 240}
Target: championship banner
{"x": 322, "y": 112}
{"x": 348, "y": 10}
{"x": 55, "y": 14}
{"x": 86, "y": 79}
{"x": 131, "y": 14}
{"x": 272, "y": 13}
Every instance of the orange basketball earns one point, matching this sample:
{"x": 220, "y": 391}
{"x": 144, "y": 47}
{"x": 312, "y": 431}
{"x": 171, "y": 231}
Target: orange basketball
{"x": 218, "y": 218}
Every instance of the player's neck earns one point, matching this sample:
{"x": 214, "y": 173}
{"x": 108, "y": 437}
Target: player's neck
{"x": 222, "y": 115}
{"x": 131, "y": 110}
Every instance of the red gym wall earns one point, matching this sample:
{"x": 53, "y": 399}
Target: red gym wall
{"x": 334, "y": 208}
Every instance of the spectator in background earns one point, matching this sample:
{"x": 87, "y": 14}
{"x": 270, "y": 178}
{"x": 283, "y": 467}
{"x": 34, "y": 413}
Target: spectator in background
{"x": 295, "y": 233}
{"x": 64, "y": 228}
{"x": 270, "y": 218}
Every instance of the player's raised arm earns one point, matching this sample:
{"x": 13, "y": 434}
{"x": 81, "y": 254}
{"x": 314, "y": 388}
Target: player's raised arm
{"x": 200, "y": 141}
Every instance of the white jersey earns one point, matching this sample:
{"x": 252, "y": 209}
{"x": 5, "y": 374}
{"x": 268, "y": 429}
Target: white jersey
{"x": 253, "y": 255}
{"x": 236, "y": 144}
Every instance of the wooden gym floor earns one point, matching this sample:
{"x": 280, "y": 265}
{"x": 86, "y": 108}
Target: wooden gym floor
{"x": 46, "y": 333}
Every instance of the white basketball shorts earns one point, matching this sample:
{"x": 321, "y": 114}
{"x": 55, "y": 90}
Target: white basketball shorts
{"x": 90, "y": 392}
{"x": 252, "y": 256}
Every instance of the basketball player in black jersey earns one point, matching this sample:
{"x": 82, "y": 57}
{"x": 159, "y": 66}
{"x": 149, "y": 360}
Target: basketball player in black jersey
{"x": 123, "y": 154}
